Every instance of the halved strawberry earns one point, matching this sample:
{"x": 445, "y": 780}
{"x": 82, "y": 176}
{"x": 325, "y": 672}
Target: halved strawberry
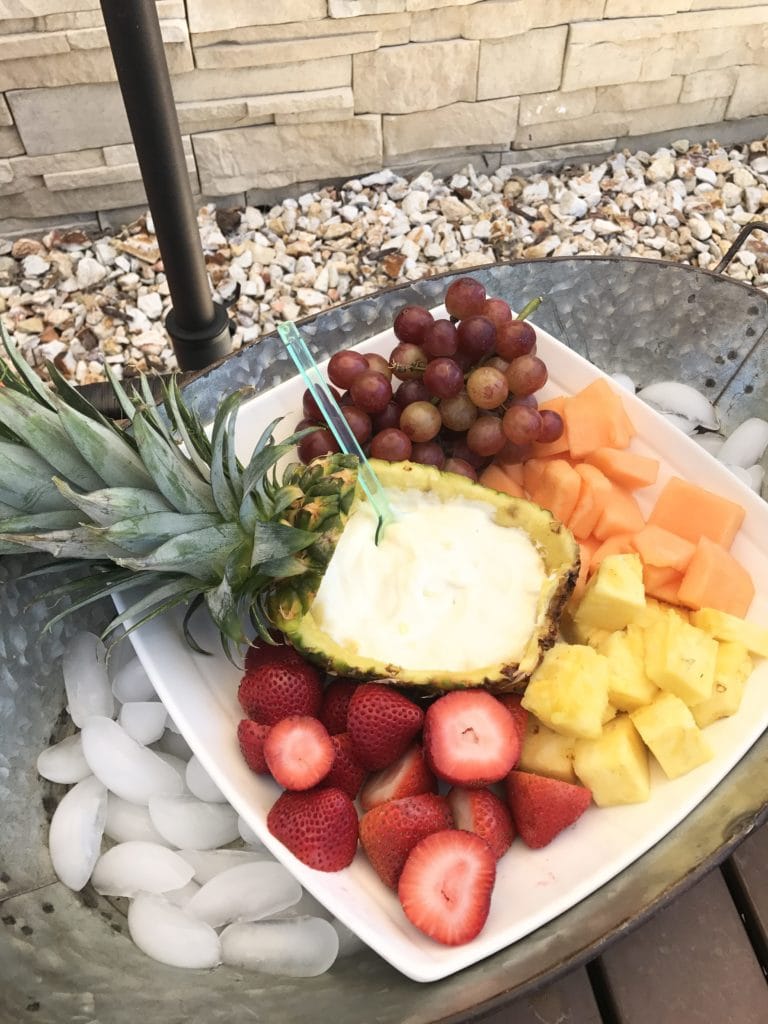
{"x": 542, "y": 807}
{"x": 470, "y": 738}
{"x": 346, "y": 771}
{"x": 298, "y": 752}
{"x": 381, "y": 724}
{"x": 318, "y": 826}
{"x": 251, "y": 736}
{"x": 277, "y": 689}
{"x": 389, "y": 831}
{"x": 446, "y": 884}
{"x": 482, "y": 812}
{"x": 512, "y": 702}
{"x": 336, "y": 698}
{"x": 408, "y": 776}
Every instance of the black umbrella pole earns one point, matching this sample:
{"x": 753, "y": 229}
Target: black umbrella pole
{"x": 199, "y": 327}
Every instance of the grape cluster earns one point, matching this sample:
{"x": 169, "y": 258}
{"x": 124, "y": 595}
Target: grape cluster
{"x": 453, "y": 393}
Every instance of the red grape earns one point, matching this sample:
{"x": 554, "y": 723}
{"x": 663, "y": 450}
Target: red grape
{"x": 461, "y": 467}
{"x": 521, "y": 424}
{"x": 346, "y": 399}
{"x": 516, "y": 453}
{"x": 458, "y": 413}
{"x": 420, "y": 421}
{"x": 371, "y": 392}
{"x": 311, "y": 408}
{"x": 411, "y": 323}
{"x": 552, "y": 426}
{"x": 477, "y": 337}
{"x": 428, "y": 453}
{"x": 486, "y": 436}
{"x": 319, "y": 442}
{"x": 379, "y": 363}
{"x": 526, "y": 375}
{"x": 497, "y": 310}
{"x": 515, "y": 338}
{"x": 465, "y": 297}
{"x": 497, "y": 363}
{"x": 443, "y": 378}
{"x": 459, "y": 449}
{"x": 389, "y": 418}
{"x": 306, "y": 423}
{"x": 530, "y": 400}
{"x": 359, "y": 422}
{"x": 411, "y": 391}
{"x": 392, "y": 445}
{"x": 441, "y": 339}
{"x": 407, "y": 361}
{"x": 487, "y": 387}
{"x": 344, "y": 366}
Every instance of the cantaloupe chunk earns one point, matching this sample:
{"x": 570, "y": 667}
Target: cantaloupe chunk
{"x": 621, "y": 514}
{"x": 586, "y": 513}
{"x": 533, "y": 471}
{"x": 628, "y": 469}
{"x": 595, "y": 418}
{"x": 618, "y": 544}
{"x": 714, "y": 579}
{"x": 495, "y": 477}
{"x": 692, "y": 512}
{"x": 557, "y": 489}
{"x": 510, "y": 461}
{"x": 557, "y": 405}
{"x": 663, "y": 548}
{"x": 662, "y": 582}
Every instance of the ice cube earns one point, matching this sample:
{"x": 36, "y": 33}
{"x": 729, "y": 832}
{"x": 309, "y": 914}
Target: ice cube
{"x": 349, "y": 943}
{"x": 137, "y": 866}
{"x": 178, "y": 766}
{"x": 248, "y": 892}
{"x": 170, "y": 935}
{"x": 74, "y": 838}
{"x": 64, "y": 762}
{"x": 307, "y": 906}
{"x": 172, "y": 743}
{"x": 201, "y": 785}
{"x": 186, "y": 821}
{"x": 181, "y": 897}
{"x": 132, "y": 683}
{"x": 125, "y": 767}
{"x": 247, "y": 834}
{"x": 300, "y": 947}
{"x": 127, "y": 822}
{"x": 208, "y": 863}
{"x": 86, "y": 679}
{"x": 143, "y": 720}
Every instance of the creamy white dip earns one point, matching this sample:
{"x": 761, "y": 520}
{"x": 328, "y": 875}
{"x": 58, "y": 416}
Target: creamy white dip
{"x": 446, "y": 588}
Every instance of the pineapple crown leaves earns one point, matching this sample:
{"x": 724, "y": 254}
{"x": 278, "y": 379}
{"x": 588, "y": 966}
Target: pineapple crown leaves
{"x": 160, "y": 504}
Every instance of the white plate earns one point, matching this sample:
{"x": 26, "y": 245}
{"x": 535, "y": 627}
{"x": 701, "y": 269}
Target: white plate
{"x": 532, "y": 886}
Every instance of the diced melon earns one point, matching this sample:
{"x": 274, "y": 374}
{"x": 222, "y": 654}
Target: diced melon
{"x": 568, "y": 692}
{"x": 557, "y": 405}
{"x": 619, "y": 544}
{"x": 533, "y": 471}
{"x": 669, "y": 730}
{"x": 663, "y": 548}
{"x": 662, "y": 582}
{"x": 628, "y": 685}
{"x": 585, "y": 515}
{"x": 723, "y": 626}
{"x": 680, "y": 659}
{"x": 625, "y": 468}
{"x": 545, "y": 752}
{"x": 714, "y": 579}
{"x": 621, "y": 514}
{"x": 495, "y": 477}
{"x": 693, "y": 512}
{"x": 614, "y": 765}
{"x": 732, "y": 669}
{"x": 595, "y": 418}
{"x": 614, "y": 596}
{"x": 557, "y": 489}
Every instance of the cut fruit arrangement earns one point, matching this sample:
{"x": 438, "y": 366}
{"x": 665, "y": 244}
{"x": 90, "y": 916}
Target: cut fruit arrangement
{"x": 623, "y": 634}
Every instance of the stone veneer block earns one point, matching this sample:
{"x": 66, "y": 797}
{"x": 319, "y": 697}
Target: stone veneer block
{"x": 705, "y": 84}
{"x": 275, "y": 155}
{"x": 77, "y": 19}
{"x": 428, "y": 5}
{"x": 577, "y": 130}
{"x": 69, "y": 118}
{"x": 550, "y": 155}
{"x": 749, "y": 92}
{"x": 644, "y": 8}
{"x": 639, "y": 95}
{"x": 32, "y": 44}
{"x": 429, "y": 26}
{"x": 676, "y": 115}
{"x": 126, "y": 153}
{"x": 394, "y": 29}
{"x": 527, "y": 63}
{"x": 41, "y": 202}
{"x": 356, "y": 8}
{"x": 10, "y": 143}
{"x": 6, "y": 172}
{"x": 39, "y": 8}
{"x": 562, "y": 12}
{"x": 35, "y": 166}
{"x": 212, "y": 15}
{"x": 106, "y": 174}
{"x": 495, "y": 20}
{"x": 292, "y": 51}
{"x": 201, "y": 85}
{"x": 470, "y": 124}
{"x": 5, "y": 113}
{"x": 421, "y": 76}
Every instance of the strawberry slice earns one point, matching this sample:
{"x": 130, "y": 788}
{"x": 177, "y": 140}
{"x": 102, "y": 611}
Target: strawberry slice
{"x": 346, "y": 772}
{"x": 381, "y": 724}
{"x": 482, "y": 812}
{"x": 280, "y": 687}
{"x": 251, "y": 736}
{"x": 299, "y": 752}
{"x": 470, "y": 738}
{"x": 319, "y": 827}
{"x": 445, "y": 887}
{"x": 542, "y": 807}
{"x": 336, "y": 698}
{"x": 390, "y": 830}
{"x": 408, "y": 776}
{"x": 512, "y": 702}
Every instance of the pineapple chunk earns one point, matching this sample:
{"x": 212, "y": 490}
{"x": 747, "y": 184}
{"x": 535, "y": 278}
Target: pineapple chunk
{"x": 568, "y": 692}
{"x": 615, "y": 765}
{"x": 547, "y": 753}
{"x": 615, "y": 595}
{"x": 680, "y": 658}
{"x": 732, "y": 669}
{"x": 670, "y": 732}
{"x": 578, "y": 633}
{"x": 628, "y": 685}
{"x": 723, "y": 626}
{"x": 654, "y": 610}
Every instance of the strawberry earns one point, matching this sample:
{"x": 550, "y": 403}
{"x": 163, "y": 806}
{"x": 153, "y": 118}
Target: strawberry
{"x": 512, "y": 702}
{"x": 260, "y": 652}
{"x": 390, "y": 830}
{"x": 336, "y": 698}
{"x": 482, "y": 812}
{"x": 408, "y": 776}
{"x": 251, "y": 736}
{"x": 346, "y": 772}
{"x": 445, "y": 887}
{"x": 275, "y": 690}
{"x": 542, "y": 807}
{"x": 470, "y": 738}
{"x": 298, "y": 752}
{"x": 381, "y": 724}
{"x": 318, "y": 826}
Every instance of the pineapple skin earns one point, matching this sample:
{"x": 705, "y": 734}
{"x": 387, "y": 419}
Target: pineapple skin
{"x": 291, "y": 608}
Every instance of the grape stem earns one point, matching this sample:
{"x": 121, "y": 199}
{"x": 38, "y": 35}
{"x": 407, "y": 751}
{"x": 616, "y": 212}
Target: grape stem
{"x": 530, "y": 307}
{"x": 408, "y": 368}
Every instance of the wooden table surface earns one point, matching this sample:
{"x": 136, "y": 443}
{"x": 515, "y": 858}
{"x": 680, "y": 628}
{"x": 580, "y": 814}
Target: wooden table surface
{"x": 701, "y": 960}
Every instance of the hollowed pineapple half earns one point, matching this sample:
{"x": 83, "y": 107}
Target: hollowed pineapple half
{"x": 302, "y": 615}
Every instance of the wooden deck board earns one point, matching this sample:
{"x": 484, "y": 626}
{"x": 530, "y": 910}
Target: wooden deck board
{"x": 747, "y": 874}
{"x": 569, "y": 1000}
